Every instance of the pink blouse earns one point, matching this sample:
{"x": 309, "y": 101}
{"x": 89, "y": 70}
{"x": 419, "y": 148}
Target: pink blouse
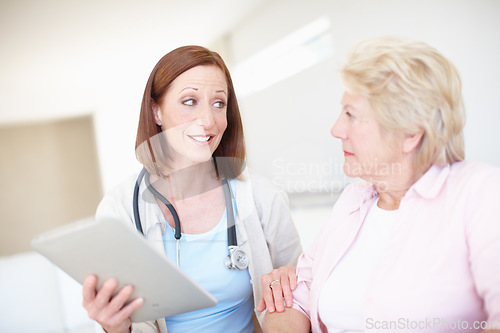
{"x": 440, "y": 269}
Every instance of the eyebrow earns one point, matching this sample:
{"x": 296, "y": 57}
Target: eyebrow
{"x": 196, "y": 89}
{"x": 188, "y": 88}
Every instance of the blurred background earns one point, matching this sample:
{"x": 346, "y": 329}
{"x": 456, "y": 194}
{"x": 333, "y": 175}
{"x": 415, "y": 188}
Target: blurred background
{"x": 73, "y": 74}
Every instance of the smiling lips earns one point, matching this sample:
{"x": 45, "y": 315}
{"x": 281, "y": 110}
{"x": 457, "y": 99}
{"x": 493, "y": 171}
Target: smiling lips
{"x": 346, "y": 153}
{"x": 202, "y": 139}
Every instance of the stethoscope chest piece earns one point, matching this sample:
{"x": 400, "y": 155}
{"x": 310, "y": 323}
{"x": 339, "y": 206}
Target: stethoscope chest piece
{"x": 237, "y": 259}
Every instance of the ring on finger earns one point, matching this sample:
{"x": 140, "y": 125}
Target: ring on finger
{"x": 274, "y": 281}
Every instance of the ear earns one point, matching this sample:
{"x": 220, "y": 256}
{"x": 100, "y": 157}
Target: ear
{"x": 411, "y": 141}
{"x": 157, "y": 114}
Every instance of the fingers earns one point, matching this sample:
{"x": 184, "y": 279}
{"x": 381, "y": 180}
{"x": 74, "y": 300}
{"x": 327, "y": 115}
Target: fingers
{"x": 107, "y": 308}
{"x": 262, "y": 305}
{"x": 89, "y": 288}
{"x": 286, "y": 290}
{"x": 116, "y": 313}
{"x": 118, "y": 301}
{"x": 289, "y": 284}
{"x": 267, "y": 298}
{"x": 277, "y": 289}
{"x": 274, "y": 301}
{"x": 272, "y": 293}
{"x": 96, "y": 302}
{"x": 105, "y": 293}
{"x": 292, "y": 276}
{"x": 130, "y": 308}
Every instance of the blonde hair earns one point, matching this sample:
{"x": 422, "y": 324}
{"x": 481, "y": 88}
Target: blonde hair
{"x": 411, "y": 88}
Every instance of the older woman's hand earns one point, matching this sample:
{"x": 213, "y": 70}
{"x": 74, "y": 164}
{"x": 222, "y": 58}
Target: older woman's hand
{"x": 108, "y": 310}
{"x": 276, "y": 286}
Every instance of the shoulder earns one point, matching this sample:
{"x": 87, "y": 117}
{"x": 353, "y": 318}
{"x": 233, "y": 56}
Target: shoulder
{"x": 126, "y": 186}
{"x": 123, "y": 191}
{"x": 118, "y": 198}
{"x": 471, "y": 176}
{"x": 473, "y": 170}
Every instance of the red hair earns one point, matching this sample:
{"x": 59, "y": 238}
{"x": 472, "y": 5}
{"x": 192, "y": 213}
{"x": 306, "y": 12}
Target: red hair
{"x": 230, "y": 154}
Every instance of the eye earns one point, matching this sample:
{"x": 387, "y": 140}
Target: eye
{"x": 189, "y": 101}
{"x": 348, "y": 113}
{"x": 219, "y": 104}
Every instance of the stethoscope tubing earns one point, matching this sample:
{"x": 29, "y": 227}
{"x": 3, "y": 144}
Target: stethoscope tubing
{"x": 135, "y": 202}
{"x": 231, "y": 228}
{"x": 169, "y": 205}
{"x": 144, "y": 174}
{"x": 237, "y": 259}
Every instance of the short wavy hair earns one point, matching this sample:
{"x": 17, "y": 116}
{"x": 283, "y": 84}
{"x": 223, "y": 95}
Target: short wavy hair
{"x": 411, "y": 88}
{"x": 152, "y": 149}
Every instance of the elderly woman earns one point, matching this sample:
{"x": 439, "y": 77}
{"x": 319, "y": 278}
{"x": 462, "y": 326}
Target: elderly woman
{"x": 414, "y": 246}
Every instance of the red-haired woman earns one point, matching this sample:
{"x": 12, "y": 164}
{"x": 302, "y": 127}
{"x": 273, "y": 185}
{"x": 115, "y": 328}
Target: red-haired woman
{"x": 196, "y": 202}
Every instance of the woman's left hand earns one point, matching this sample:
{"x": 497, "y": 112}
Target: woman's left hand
{"x": 276, "y": 286}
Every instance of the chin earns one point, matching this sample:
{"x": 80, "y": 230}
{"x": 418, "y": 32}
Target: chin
{"x": 354, "y": 170}
{"x": 201, "y": 159}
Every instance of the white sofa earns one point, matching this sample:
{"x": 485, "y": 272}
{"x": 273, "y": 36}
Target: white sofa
{"x": 38, "y": 297}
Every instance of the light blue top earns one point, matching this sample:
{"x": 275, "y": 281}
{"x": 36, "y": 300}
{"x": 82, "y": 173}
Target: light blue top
{"x": 202, "y": 257}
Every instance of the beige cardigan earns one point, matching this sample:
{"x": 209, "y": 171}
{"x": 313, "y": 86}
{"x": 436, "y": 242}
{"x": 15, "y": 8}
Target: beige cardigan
{"x": 264, "y": 229}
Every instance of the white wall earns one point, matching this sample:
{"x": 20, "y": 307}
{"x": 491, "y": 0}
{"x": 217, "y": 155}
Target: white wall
{"x": 287, "y": 125}
{"x": 63, "y": 58}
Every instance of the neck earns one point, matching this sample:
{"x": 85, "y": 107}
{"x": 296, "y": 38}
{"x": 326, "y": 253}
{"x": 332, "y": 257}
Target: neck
{"x": 390, "y": 200}
{"x": 186, "y": 182}
{"x": 392, "y": 188}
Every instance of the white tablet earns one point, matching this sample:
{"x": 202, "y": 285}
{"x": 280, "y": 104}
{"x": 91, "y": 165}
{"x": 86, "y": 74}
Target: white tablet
{"x": 110, "y": 248}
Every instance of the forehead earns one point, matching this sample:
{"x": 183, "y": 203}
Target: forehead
{"x": 355, "y": 101}
{"x": 201, "y": 76}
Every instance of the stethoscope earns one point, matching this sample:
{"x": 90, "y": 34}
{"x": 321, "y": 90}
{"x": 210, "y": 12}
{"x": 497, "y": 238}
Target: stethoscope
{"x": 236, "y": 259}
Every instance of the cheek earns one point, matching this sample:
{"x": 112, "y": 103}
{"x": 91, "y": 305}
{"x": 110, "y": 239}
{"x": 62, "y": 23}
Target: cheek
{"x": 176, "y": 119}
{"x": 221, "y": 122}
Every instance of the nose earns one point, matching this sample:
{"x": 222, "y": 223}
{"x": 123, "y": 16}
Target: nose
{"x": 206, "y": 117}
{"x": 338, "y": 130}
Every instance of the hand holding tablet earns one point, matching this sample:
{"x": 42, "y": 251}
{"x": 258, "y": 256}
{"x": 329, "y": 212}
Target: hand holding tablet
{"x": 109, "y": 248}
